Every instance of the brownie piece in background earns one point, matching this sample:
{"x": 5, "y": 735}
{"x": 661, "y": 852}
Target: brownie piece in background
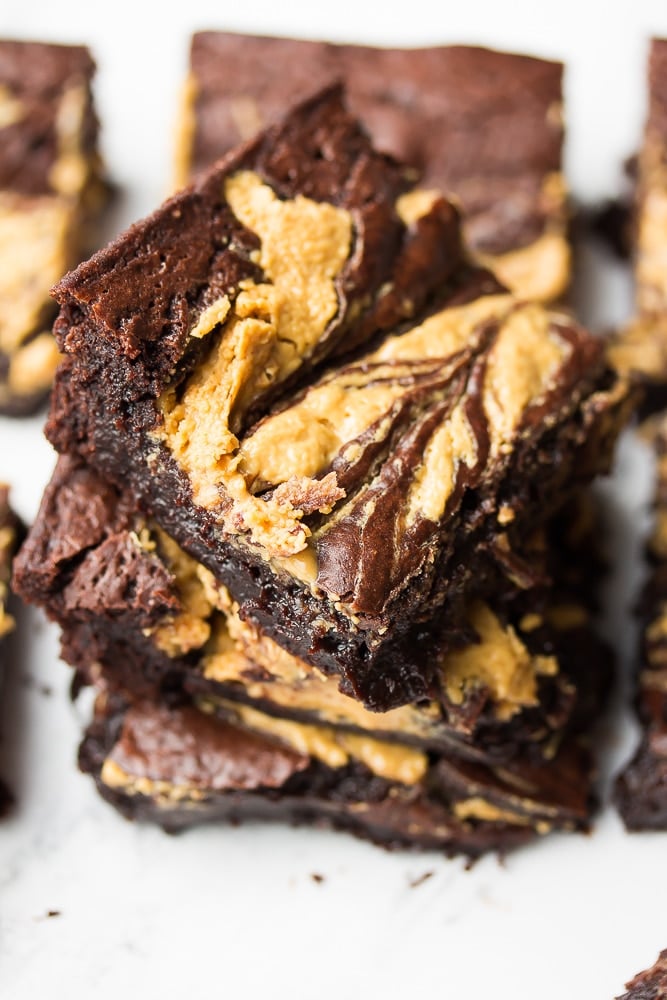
{"x": 343, "y": 504}
{"x": 51, "y": 189}
{"x": 641, "y": 789}
{"x": 641, "y": 347}
{"x": 650, "y": 984}
{"x": 482, "y": 125}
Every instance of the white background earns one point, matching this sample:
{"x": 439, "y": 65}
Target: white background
{"x": 236, "y": 912}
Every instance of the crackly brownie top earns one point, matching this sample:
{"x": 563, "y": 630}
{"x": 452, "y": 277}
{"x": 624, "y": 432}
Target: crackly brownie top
{"x": 483, "y": 124}
{"x": 45, "y": 115}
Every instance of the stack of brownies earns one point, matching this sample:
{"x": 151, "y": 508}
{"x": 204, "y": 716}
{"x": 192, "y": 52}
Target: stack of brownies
{"x": 319, "y": 531}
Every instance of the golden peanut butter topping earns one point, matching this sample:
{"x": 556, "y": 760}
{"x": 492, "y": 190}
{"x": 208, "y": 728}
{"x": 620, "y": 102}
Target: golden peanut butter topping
{"x": 35, "y": 235}
{"x": 499, "y": 662}
{"x": 12, "y": 109}
{"x": 521, "y": 368}
{"x": 191, "y": 628}
{"x": 263, "y": 339}
{"x": 477, "y": 808}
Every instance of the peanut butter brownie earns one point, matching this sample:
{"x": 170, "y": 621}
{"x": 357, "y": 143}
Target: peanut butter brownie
{"x": 650, "y": 984}
{"x": 178, "y": 766}
{"x": 350, "y": 442}
{"x": 50, "y": 189}
{"x": 641, "y": 790}
{"x": 486, "y": 126}
{"x": 641, "y": 347}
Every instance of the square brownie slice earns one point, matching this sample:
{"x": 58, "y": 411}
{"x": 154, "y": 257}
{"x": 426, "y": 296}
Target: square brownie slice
{"x": 641, "y": 788}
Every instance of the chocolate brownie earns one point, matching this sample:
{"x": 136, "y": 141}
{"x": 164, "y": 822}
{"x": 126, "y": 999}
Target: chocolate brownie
{"x": 641, "y": 789}
{"x": 486, "y": 126}
{"x": 641, "y": 347}
{"x": 50, "y": 189}
{"x": 343, "y": 504}
{"x": 178, "y": 766}
{"x": 135, "y": 609}
{"x": 650, "y": 984}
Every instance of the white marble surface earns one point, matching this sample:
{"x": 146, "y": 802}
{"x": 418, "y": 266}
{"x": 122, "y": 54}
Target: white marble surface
{"x": 222, "y": 911}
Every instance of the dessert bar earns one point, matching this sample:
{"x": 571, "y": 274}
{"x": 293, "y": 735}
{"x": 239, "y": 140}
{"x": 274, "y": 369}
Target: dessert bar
{"x": 50, "y": 189}
{"x": 641, "y": 347}
{"x": 482, "y": 125}
{"x": 641, "y": 789}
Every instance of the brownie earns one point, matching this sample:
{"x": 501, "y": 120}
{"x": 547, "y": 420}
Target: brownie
{"x": 486, "y": 126}
{"x": 346, "y": 489}
{"x": 641, "y": 347}
{"x": 650, "y": 984}
{"x": 641, "y": 789}
{"x": 51, "y": 188}
{"x": 178, "y": 766}
{"x": 136, "y": 610}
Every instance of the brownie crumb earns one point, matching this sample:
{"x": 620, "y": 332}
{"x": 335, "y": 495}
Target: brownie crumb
{"x": 317, "y": 878}
{"x": 416, "y": 882}
{"x": 53, "y": 913}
